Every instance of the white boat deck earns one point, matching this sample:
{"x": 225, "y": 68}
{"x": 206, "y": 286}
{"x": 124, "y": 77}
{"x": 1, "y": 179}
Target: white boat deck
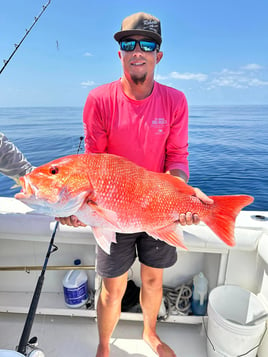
{"x": 63, "y": 336}
{"x": 64, "y": 332}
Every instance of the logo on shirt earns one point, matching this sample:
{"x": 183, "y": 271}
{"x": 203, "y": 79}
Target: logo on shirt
{"x": 159, "y": 125}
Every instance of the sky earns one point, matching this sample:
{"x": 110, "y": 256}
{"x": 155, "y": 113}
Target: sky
{"x": 215, "y": 51}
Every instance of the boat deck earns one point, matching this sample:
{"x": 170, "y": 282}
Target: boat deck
{"x": 67, "y": 336}
{"x": 64, "y": 332}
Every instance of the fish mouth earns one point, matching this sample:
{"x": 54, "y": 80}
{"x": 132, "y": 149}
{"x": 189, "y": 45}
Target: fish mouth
{"x": 28, "y": 189}
{"x": 53, "y": 204}
{"x": 31, "y": 193}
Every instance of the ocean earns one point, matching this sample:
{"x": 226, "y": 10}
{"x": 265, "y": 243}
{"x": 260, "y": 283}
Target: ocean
{"x": 228, "y": 145}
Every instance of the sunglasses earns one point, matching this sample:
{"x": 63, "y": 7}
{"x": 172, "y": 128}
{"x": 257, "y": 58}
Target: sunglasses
{"x": 145, "y": 45}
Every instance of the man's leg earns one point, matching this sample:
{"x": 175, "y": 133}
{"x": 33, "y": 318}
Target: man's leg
{"x": 150, "y": 299}
{"x": 108, "y": 310}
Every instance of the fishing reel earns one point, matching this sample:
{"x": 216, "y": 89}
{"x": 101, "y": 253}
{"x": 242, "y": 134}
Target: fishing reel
{"x": 36, "y": 353}
{"x": 31, "y": 349}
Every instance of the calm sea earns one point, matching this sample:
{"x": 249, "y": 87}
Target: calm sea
{"x": 228, "y": 145}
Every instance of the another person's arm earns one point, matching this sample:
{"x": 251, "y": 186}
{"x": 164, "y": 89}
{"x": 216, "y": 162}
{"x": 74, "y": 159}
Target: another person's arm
{"x": 12, "y": 161}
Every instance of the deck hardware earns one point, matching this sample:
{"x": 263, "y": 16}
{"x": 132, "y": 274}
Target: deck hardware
{"x": 259, "y": 217}
{"x": 30, "y": 268}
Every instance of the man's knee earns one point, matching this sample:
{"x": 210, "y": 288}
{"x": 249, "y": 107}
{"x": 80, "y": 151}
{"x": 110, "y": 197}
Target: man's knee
{"x": 112, "y": 292}
{"x": 152, "y": 278}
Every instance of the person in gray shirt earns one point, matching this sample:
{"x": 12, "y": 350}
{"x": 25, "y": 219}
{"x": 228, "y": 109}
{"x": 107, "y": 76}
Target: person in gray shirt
{"x": 12, "y": 161}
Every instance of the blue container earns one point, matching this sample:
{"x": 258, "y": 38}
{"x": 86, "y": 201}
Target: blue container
{"x": 75, "y": 287}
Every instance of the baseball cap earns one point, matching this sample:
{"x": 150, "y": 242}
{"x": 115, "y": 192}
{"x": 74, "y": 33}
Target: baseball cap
{"x": 140, "y": 24}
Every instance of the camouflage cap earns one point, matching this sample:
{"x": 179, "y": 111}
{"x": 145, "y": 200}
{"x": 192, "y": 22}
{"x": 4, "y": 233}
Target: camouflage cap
{"x": 140, "y": 24}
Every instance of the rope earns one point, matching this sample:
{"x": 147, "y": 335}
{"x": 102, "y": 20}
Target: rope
{"x": 177, "y": 301}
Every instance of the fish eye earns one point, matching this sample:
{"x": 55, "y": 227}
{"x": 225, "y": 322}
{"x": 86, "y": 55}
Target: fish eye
{"x": 54, "y": 170}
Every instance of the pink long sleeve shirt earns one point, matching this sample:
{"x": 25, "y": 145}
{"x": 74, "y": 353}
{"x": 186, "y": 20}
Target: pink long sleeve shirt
{"x": 152, "y": 132}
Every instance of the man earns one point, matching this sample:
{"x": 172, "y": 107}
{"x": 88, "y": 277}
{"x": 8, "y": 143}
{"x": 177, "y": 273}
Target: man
{"x": 146, "y": 122}
{"x": 12, "y": 162}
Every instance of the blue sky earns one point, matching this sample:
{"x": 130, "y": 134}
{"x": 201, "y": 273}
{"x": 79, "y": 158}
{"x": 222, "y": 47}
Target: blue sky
{"x": 215, "y": 51}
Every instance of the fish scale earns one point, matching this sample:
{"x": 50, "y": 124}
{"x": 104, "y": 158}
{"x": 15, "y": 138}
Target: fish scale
{"x": 112, "y": 194}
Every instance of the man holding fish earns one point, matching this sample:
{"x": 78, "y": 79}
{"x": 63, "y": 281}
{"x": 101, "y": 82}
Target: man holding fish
{"x": 124, "y": 186}
{"x": 146, "y": 122}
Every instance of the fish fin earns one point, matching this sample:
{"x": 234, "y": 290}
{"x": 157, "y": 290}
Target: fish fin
{"x": 170, "y": 234}
{"x": 108, "y": 215}
{"x": 223, "y": 215}
{"x": 179, "y": 184}
{"x": 104, "y": 238}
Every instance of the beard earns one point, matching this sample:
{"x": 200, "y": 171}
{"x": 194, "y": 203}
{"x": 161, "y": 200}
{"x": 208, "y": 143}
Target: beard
{"x": 138, "y": 79}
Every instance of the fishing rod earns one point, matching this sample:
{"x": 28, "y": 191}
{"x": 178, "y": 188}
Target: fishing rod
{"x": 32, "y": 310}
{"x": 24, "y": 340}
{"x": 23, "y": 38}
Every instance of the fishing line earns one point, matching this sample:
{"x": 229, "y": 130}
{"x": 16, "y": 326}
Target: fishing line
{"x": 24, "y": 340}
{"x": 23, "y": 38}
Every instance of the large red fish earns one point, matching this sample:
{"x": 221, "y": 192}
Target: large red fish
{"x": 112, "y": 194}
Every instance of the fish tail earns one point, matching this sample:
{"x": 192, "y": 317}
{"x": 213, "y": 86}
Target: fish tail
{"x": 223, "y": 215}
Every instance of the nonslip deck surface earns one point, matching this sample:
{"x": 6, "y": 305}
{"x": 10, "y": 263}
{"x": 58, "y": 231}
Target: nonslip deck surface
{"x": 61, "y": 336}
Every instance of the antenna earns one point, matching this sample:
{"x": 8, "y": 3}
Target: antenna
{"x": 23, "y": 38}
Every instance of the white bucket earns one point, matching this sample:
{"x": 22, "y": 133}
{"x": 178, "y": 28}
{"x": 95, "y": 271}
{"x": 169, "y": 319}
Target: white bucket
{"x": 232, "y": 338}
{"x": 8, "y": 353}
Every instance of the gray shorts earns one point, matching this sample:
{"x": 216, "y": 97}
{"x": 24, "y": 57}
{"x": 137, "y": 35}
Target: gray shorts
{"x": 151, "y": 252}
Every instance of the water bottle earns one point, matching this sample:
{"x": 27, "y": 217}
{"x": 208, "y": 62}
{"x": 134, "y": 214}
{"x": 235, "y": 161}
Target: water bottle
{"x": 200, "y": 295}
{"x": 75, "y": 287}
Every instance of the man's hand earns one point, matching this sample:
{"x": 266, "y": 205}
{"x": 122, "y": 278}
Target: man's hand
{"x": 72, "y": 221}
{"x": 189, "y": 218}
